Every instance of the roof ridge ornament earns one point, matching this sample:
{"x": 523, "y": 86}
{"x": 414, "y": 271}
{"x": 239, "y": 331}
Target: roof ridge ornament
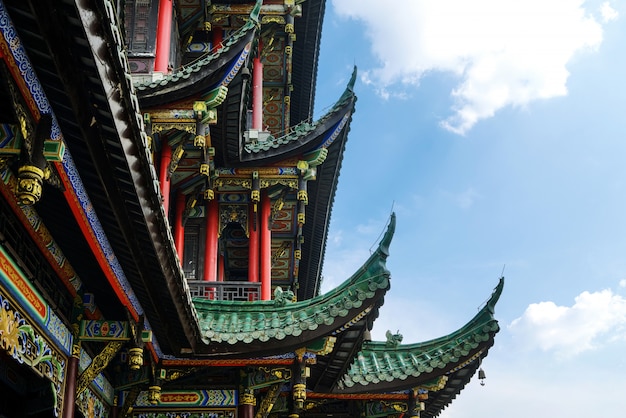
{"x": 393, "y": 340}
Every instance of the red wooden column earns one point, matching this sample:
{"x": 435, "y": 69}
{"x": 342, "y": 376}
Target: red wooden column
{"x": 257, "y": 94}
{"x": 164, "y": 34}
{"x": 246, "y": 404}
{"x": 166, "y": 157}
{"x": 71, "y": 372}
{"x": 217, "y": 36}
{"x": 253, "y": 246}
{"x": 179, "y": 229}
{"x": 210, "y": 247}
{"x": 265, "y": 252}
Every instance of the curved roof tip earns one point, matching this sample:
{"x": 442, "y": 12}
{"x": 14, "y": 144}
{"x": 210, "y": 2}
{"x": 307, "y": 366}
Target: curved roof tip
{"x": 491, "y": 303}
{"x": 256, "y": 11}
{"x": 352, "y": 79}
{"x": 348, "y": 93}
{"x": 385, "y": 241}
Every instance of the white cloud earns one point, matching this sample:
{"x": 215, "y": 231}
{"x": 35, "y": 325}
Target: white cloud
{"x": 608, "y": 12}
{"x": 622, "y": 283}
{"x": 504, "y": 52}
{"x": 594, "y": 319}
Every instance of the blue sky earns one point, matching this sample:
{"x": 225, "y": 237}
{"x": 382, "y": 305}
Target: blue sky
{"x": 495, "y": 129}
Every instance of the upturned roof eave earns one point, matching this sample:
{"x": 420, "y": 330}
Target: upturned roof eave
{"x": 255, "y": 328}
{"x": 205, "y": 74}
{"x": 198, "y": 78}
{"x": 306, "y": 137}
{"x": 103, "y": 129}
{"x": 414, "y": 364}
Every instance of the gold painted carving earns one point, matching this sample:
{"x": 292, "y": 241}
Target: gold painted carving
{"x": 329, "y": 345}
{"x": 189, "y": 127}
{"x": 135, "y": 358}
{"x": 76, "y": 350}
{"x": 435, "y": 386}
{"x": 268, "y": 401}
{"x": 154, "y": 394}
{"x": 199, "y": 141}
{"x": 199, "y": 107}
{"x": 226, "y": 182}
{"x": 29, "y": 184}
{"x": 299, "y": 395}
{"x": 99, "y": 363}
{"x": 273, "y": 19}
{"x": 204, "y": 169}
{"x": 234, "y": 213}
{"x": 247, "y": 398}
{"x": 396, "y": 406}
{"x": 291, "y": 183}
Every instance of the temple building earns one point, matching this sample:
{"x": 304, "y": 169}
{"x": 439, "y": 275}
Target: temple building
{"x": 165, "y": 199}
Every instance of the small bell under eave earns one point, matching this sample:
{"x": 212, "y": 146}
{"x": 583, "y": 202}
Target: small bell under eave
{"x": 481, "y": 376}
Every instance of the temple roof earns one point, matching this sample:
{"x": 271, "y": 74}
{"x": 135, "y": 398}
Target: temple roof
{"x": 307, "y": 136}
{"x": 390, "y": 366}
{"x": 215, "y": 69}
{"x": 88, "y": 89}
{"x": 232, "y": 327}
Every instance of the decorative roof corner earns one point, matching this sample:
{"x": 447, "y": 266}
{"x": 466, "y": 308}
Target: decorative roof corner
{"x": 256, "y": 12}
{"x": 391, "y": 366}
{"x": 309, "y": 135}
{"x": 262, "y": 327}
{"x": 217, "y": 68}
{"x": 348, "y": 93}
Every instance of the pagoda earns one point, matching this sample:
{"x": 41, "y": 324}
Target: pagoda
{"x": 165, "y": 199}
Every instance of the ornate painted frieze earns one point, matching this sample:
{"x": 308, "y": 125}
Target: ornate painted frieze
{"x": 15, "y": 283}
{"x": 101, "y": 385}
{"x": 332, "y": 135}
{"x": 212, "y": 413}
{"x": 22, "y": 340}
{"x": 38, "y": 104}
{"x": 91, "y": 405}
{"x": 214, "y": 398}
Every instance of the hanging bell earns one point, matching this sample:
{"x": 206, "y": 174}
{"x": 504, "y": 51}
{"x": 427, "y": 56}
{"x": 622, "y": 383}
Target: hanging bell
{"x": 481, "y": 376}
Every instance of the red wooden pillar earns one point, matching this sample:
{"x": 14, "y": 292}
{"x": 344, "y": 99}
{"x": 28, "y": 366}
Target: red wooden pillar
{"x": 166, "y": 157}
{"x": 179, "y": 229}
{"x": 246, "y": 404}
{"x": 257, "y": 94}
{"x": 265, "y": 252}
{"x": 164, "y": 34}
{"x": 71, "y": 372}
{"x": 253, "y": 246}
{"x": 217, "y": 37}
{"x": 210, "y": 247}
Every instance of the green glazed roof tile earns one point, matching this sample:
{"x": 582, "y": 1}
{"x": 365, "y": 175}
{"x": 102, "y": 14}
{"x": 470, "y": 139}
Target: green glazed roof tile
{"x": 305, "y": 128}
{"x": 388, "y": 361}
{"x": 197, "y": 66}
{"x": 236, "y": 322}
